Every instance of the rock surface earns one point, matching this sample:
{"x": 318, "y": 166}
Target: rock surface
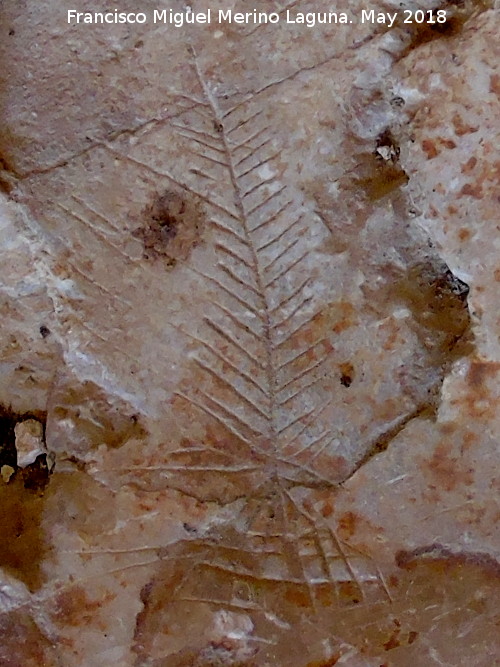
{"x": 250, "y": 296}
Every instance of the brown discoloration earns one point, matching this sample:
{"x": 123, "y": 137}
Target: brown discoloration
{"x": 22, "y": 546}
{"x": 346, "y": 374}
{"x": 461, "y": 127}
{"x": 333, "y": 660}
{"x": 472, "y": 190}
{"x": 430, "y": 148}
{"x": 347, "y": 524}
{"x": 393, "y": 641}
{"x": 443, "y": 559}
{"x": 171, "y": 227}
{"x": 447, "y": 143}
{"x": 458, "y": 12}
{"x": 343, "y": 314}
{"x": 480, "y": 372}
{"x": 446, "y": 468}
{"x": 468, "y": 166}
{"x": 326, "y": 509}
{"x": 496, "y": 275}
{"x": 479, "y": 402}
{"x": 22, "y": 643}
{"x": 72, "y": 607}
{"x": 378, "y": 174}
{"x": 464, "y": 234}
{"x": 336, "y": 467}
{"x": 97, "y": 422}
{"x": 495, "y": 84}
{"x": 385, "y": 178}
{"x": 438, "y": 302}
{"x": 8, "y": 176}
{"x": 412, "y": 636}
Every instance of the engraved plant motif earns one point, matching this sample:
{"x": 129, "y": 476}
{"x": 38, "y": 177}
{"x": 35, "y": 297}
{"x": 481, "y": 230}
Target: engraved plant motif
{"x": 257, "y": 395}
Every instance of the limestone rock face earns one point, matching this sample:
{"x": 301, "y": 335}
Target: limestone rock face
{"x": 249, "y": 340}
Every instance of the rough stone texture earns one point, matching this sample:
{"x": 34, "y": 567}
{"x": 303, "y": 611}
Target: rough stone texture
{"x": 250, "y": 290}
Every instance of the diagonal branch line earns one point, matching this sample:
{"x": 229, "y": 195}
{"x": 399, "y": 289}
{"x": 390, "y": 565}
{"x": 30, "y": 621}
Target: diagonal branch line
{"x": 296, "y": 292}
{"x": 310, "y": 417}
{"x": 295, "y": 331}
{"x": 293, "y": 312}
{"x": 246, "y": 143}
{"x": 299, "y": 391}
{"x": 258, "y": 185}
{"x": 280, "y": 235}
{"x": 233, "y": 340}
{"x": 252, "y": 153}
{"x": 288, "y": 268}
{"x": 191, "y": 131}
{"x": 268, "y": 199}
{"x": 235, "y": 319}
{"x": 232, "y": 253}
{"x": 261, "y": 163}
{"x": 228, "y": 290}
{"x": 302, "y": 374}
{"x": 299, "y": 355}
{"x": 310, "y": 444}
{"x": 213, "y": 350}
{"x": 228, "y": 230}
{"x": 237, "y": 279}
{"x": 215, "y": 414}
{"x": 272, "y": 218}
{"x": 220, "y": 378}
{"x": 208, "y": 158}
{"x": 175, "y": 181}
{"x": 281, "y": 254}
{"x": 242, "y": 123}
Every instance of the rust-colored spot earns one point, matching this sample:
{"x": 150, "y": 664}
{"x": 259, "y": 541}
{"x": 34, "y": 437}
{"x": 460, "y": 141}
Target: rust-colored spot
{"x": 326, "y": 509}
{"x": 343, "y": 315}
{"x": 347, "y": 525}
{"x": 349, "y": 592}
{"x": 480, "y": 371}
{"x": 393, "y": 641}
{"x": 74, "y": 608}
{"x": 447, "y": 469}
{"x": 298, "y": 597}
{"x": 472, "y": 190}
{"x": 429, "y": 148}
{"x": 496, "y": 275}
{"x": 412, "y": 636}
{"x": 346, "y": 374}
{"x": 443, "y": 560}
{"x": 170, "y": 227}
{"x": 334, "y": 466}
{"x": 325, "y": 595}
{"x": 22, "y": 644}
{"x": 464, "y": 234}
{"x": 447, "y": 143}
{"x": 468, "y": 166}
{"x": 461, "y": 127}
{"x": 495, "y": 84}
